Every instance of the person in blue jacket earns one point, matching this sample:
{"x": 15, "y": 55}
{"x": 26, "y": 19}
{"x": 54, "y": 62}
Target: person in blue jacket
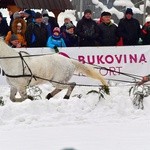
{"x": 56, "y": 39}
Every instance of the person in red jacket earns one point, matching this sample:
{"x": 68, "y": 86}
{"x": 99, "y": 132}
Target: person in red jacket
{"x": 144, "y": 79}
{"x": 145, "y": 33}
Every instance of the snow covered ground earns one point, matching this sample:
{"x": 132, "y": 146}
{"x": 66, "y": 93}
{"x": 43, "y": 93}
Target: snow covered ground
{"x": 81, "y": 123}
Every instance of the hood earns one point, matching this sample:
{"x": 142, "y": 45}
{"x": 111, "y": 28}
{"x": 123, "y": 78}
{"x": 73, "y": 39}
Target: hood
{"x": 14, "y": 25}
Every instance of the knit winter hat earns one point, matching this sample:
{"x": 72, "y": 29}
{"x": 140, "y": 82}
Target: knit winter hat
{"x": 38, "y": 15}
{"x": 129, "y": 11}
{"x": 147, "y": 19}
{"x": 45, "y": 18}
{"x": 87, "y": 11}
{"x": 105, "y": 13}
{"x": 69, "y": 25}
{"x": 28, "y": 11}
{"x": 44, "y": 12}
{"x": 13, "y": 37}
{"x": 16, "y": 15}
{"x": 56, "y": 29}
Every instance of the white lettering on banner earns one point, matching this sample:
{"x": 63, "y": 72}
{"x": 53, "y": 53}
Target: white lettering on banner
{"x": 110, "y": 59}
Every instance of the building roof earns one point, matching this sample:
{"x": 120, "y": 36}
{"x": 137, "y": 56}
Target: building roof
{"x": 5, "y": 3}
{"x": 38, "y": 4}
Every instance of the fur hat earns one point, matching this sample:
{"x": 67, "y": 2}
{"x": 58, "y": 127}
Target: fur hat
{"x": 129, "y": 11}
{"x": 69, "y": 25}
{"x": 56, "y": 29}
{"x": 13, "y": 37}
{"x": 38, "y": 15}
{"x": 16, "y": 15}
{"x": 105, "y": 13}
{"x": 87, "y": 11}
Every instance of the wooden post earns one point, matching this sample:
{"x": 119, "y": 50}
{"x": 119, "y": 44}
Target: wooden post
{"x": 56, "y": 12}
{"x": 13, "y": 8}
{"x": 81, "y": 8}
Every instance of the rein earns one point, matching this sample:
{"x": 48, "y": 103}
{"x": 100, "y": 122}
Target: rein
{"x": 12, "y": 57}
{"x": 24, "y": 63}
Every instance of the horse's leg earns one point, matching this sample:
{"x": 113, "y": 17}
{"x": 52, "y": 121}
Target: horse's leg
{"x": 70, "y": 89}
{"x": 142, "y": 105}
{"x": 141, "y": 102}
{"x": 23, "y": 95}
{"x": 53, "y": 93}
{"x": 13, "y": 92}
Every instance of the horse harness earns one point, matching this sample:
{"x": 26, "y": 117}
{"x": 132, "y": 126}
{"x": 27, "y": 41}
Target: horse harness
{"x": 31, "y": 75}
{"x": 24, "y": 65}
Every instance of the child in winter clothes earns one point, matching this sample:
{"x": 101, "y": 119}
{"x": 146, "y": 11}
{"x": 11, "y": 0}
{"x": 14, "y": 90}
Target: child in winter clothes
{"x": 56, "y": 40}
{"x": 14, "y": 42}
{"x": 18, "y": 28}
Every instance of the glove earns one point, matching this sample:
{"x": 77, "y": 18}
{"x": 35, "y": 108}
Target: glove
{"x": 56, "y": 49}
{"x": 144, "y": 79}
{"x": 146, "y": 27}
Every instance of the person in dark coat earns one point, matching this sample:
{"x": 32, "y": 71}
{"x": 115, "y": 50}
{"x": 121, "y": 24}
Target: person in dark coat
{"x": 107, "y": 31}
{"x": 145, "y": 32}
{"x": 69, "y": 35}
{"x": 129, "y": 28}
{"x": 36, "y": 33}
{"x": 52, "y": 20}
{"x": 29, "y": 16}
{"x": 11, "y": 19}
{"x": 66, "y": 21}
{"x": 87, "y": 30}
{"x": 4, "y": 28}
{"x": 48, "y": 25}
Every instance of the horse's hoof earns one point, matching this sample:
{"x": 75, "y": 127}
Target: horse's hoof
{"x": 49, "y": 95}
{"x": 66, "y": 97}
{"x": 106, "y": 89}
{"x": 30, "y": 97}
{"x": 13, "y": 100}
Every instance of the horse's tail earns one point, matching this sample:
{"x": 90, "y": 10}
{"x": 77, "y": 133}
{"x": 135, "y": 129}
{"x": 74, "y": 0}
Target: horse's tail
{"x": 91, "y": 72}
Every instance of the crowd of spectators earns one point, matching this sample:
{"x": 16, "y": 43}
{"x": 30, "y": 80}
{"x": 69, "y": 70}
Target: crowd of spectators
{"x": 34, "y": 29}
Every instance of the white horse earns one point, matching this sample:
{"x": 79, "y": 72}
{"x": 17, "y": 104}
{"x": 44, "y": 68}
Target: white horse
{"x": 50, "y": 67}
